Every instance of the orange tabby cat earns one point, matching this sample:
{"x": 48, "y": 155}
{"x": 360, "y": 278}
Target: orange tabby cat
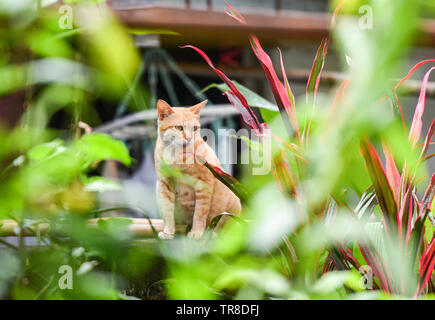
{"x": 196, "y": 193}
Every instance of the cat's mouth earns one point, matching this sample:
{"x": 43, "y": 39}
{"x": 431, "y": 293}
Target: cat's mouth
{"x": 187, "y": 143}
{"x": 183, "y": 145}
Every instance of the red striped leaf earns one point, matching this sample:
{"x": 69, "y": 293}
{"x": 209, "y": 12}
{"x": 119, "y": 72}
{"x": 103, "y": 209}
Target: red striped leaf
{"x": 417, "y": 123}
{"x": 427, "y": 265}
{"x": 234, "y": 96}
{"x": 376, "y": 263}
{"x": 405, "y": 217}
{"x": 392, "y": 173}
{"x": 427, "y": 198}
{"x": 283, "y": 174}
{"x": 232, "y": 183}
{"x": 316, "y": 70}
{"x": 335, "y": 13}
{"x": 286, "y": 109}
{"x": 396, "y": 106}
{"x": 314, "y": 78}
{"x": 235, "y": 14}
{"x": 418, "y": 229}
{"x": 413, "y": 69}
{"x": 428, "y": 139}
{"x": 286, "y": 83}
{"x": 328, "y": 265}
{"x": 283, "y": 95}
{"x": 382, "y": 187}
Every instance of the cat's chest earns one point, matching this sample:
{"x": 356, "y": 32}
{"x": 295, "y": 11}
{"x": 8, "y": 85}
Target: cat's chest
{"x": 185, "y": 197}
{"x": 190, "y": 170}
{"x": 184, "y": 161}
{"x": 183, "y": 191}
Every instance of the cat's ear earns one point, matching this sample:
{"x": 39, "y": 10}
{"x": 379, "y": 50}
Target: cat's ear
{"x": 197, "y": 107}
{"x": 163, "y": 109}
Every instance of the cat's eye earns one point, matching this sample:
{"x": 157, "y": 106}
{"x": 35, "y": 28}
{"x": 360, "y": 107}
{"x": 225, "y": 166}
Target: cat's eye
{"x": 179, "y": 128}
{"x": 195, "y": 128}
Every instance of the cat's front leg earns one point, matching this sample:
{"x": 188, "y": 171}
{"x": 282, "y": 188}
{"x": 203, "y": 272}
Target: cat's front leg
{"x": 165, "y": 201}
{"x": 202, "y": 207}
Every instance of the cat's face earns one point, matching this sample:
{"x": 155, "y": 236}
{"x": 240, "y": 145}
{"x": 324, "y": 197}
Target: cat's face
{"x": 179, "y": 126}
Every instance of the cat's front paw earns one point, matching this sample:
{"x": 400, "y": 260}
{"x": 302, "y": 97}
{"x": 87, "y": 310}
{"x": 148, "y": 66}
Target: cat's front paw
{"x": 166, "y": 236}
{"x": 195, "y": 234}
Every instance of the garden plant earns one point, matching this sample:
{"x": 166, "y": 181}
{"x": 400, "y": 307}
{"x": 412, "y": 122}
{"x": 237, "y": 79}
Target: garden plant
{"x": 346, "y": 211}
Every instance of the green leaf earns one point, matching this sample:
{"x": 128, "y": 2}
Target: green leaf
{"x": 430, "y": 230}
{"x": 141, "y": 31}
{"x": 9, "y": 268}
{"x": 86, "y": 267}
{"x": 98, "y": 146}
{"x": 45, "y": 150}
{"x": 331, "y": 281}
{"x": 100, "y": 184}
{"x": 268, "y": 115}
{"x": 77, "y": 252}
{"x": 123, "y": 296}
{"x": 266, "y": 280}
{"x": 254, "y": 100}
{"x": 68, "y": 33}
{"x": 115, "y": 226}
{"x": 255, "y": 145}
{"x": 267, "y": 109}
{"x": 44, "y": 44}
{"x": 96, "y": 285}
{"x": 316, "y": 70}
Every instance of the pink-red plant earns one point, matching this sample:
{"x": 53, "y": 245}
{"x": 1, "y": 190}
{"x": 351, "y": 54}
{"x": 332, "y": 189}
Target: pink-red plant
{"x": 403, "y": 215}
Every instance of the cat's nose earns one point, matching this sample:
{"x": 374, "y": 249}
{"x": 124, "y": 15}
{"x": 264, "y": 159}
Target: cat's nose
{"x": 188, "y": 137}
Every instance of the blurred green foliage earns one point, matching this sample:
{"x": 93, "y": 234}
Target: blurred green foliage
{"x": 278, "y": 250}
